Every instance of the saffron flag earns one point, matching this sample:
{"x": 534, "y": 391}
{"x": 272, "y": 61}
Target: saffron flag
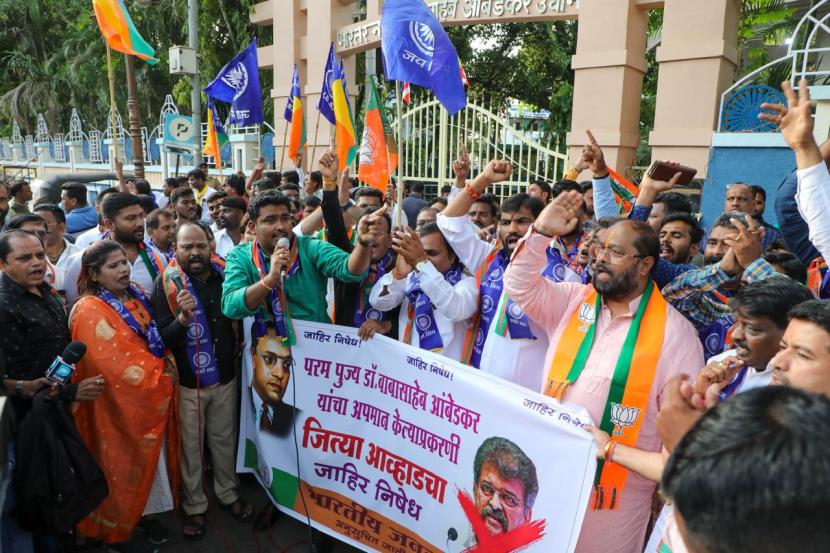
{"x": 416, "y": 49}
{"x": 119, "y": 32}
{"x": 464, "y": 78}
{"x": 378, "y": 151}
{"x": 625, "y": 191}
{"x": 345, "y": 135}
{"x": 294, "y": 115}
{"x": 238, "y": 84}
{"x": 406, "y": 95}
{"x": 326, "y": 104}
{"x": 216, "y": 136}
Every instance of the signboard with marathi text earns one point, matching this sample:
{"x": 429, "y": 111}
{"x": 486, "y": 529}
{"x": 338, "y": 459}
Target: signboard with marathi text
{"x": 391, "y": 448}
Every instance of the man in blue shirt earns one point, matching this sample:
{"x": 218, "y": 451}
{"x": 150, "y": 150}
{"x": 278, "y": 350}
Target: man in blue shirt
{"x": 80, "y": 215}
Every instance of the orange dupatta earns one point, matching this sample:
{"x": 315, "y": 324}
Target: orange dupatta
{"x": 123, "y": 428}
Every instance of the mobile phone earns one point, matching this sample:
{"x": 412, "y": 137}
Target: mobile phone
{"x": 660, "y": 170}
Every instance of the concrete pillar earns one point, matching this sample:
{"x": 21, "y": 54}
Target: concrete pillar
{"x": 76, "y": 154}
{"x": 244, "y": 151}
{"x": 697, "y": 60}
{"x": 608, "y": 81}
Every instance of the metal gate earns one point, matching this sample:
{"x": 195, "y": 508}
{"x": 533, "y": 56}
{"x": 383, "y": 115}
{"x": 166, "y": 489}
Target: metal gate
{"x": 432, "y": 139}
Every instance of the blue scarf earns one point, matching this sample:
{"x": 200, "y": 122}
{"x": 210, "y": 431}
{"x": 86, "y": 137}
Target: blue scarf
{"x": 363, "y": 310}
{"x": 511, "y": 318}
{"x": 558, "y": 263}
{"x": 276, "y": 299}
{"x": 713, "y": 337}
{"x": 153, "y": 338}
{"x": 421, "y": 314}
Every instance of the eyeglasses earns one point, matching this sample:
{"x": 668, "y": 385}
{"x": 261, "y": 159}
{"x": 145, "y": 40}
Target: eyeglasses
{"x": 614, "y": 255}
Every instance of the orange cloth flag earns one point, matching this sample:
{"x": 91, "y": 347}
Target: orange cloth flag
{"x": 378, "y": 151}
{"x": 125, "y": 427}
{"x": 119, "y": 32}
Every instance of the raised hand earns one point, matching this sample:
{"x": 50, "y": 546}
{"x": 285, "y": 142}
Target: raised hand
{"x": 461, "y": 166}
{"x": 592, "y": 156}
{"x": 657, "y": 186}
{"x": 497, "y": 170}
{"x": 747, "y": 244}
{"x": 260, "y": 165}
{"x": 328, "y": 166}
{"x": 796, "y": 120}
{"x": 407, "y": 244}
{"x": 561, "y": 216}
{"x": 371, "y": 226}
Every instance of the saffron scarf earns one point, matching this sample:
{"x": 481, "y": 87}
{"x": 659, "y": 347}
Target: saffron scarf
{"x": 420, "y": 312}
{"x": 362, "y": 308}
{"x": 201, "y": 355}
{"x": 629, "y": 393}
{"x": 510, "y": 317}
{"x": 277, "y": 306}
{"x": 818, "y": 277}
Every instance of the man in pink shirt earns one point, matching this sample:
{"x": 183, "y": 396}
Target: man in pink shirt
{"x": 664, "y": 345}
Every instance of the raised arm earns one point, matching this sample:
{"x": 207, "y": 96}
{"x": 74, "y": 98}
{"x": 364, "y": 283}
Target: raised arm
{"x": 605, "y": 204}
{"x": 543, "y": 301}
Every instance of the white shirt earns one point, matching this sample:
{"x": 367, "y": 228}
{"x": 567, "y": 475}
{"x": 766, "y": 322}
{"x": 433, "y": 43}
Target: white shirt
{"x": 453, "y": 305}
{"x": 813, "y": 200}
{"x": 224, "y": 243}
{"x": 753, "y": 379}
{"x": 161, "y": 199}
{"x": 520, "y": 361}
{"x": 88, "y": 237}
{"x": 59, "y": 268}
{"x": 139, "y": 274}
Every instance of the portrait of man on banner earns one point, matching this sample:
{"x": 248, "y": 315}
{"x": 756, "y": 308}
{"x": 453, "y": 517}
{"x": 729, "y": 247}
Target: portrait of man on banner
{"x": 271, "y": 365}
{"x": 500, "y": 509}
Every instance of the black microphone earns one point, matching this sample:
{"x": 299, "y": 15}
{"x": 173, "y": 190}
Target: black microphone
{"x": 61, "y": 369}
{"x": 283, "y": 243}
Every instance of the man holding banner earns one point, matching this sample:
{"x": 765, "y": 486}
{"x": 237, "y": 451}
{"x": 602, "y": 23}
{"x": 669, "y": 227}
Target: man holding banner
{"x": 613, "y": 348}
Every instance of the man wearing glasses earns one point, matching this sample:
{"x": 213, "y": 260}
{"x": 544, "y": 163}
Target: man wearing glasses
{"x": 58, "y": 248}
{"x": 614, "y": 345}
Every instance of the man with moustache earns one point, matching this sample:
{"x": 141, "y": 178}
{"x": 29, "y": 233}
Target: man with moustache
{"x": 161, "y": 228}
{"x": 505, "y": 487}
{"x": 124, "y": 221}
{"x": 231, "y": 212}
{"x": 503, "y": 340}
{"x": 619, "y": 329}
{"x": 183, "y": 202}
{"x": 205, "y": 346}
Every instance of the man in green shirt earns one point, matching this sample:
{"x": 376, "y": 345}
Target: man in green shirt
{"x": 252, "y": 273}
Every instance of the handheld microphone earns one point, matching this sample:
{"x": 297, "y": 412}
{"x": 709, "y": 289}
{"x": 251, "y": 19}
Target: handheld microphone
{"x": 61, "y": 369}
{"x": 283, "y": 243}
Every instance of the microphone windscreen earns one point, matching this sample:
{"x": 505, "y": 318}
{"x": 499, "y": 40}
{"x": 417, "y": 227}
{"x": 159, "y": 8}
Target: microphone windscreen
{"x": 452, "y": 534}
{"x": 284, "y": 243}
{"x": 73, "y": 352}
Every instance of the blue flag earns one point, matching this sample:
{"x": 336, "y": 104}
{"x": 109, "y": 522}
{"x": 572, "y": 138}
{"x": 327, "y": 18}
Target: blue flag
{"x": 238, "y": 84}
{"x": 416, "y": 49}
{"x": 326, "y": 104}
{"x": 295, "y": 93}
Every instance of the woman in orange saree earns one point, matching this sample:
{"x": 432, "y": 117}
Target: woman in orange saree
{"x": 131, "y": 430}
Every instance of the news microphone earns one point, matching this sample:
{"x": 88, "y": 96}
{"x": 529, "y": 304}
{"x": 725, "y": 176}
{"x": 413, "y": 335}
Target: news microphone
{"x": 283, "y": 243}
{"x": 61, "y": 369}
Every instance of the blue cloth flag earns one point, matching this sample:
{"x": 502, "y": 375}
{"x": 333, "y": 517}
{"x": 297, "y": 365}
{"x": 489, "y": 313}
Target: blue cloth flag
{"x": 295, "y": 92}
{"x": 326, "y": 104}
{"x": 238, "y": 84}
{"x": 416, "y": 49}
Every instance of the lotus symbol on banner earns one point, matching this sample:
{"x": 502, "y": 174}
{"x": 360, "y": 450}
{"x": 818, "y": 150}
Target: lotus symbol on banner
{"x": 237, "y": 79}
{"x": 623, "y": 416}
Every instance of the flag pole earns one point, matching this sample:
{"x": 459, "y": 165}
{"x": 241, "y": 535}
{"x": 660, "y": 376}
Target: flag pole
{"x": 284, "y": 145}
{"x": 314, "y": 144}
{"x": 401, "y": 158}
{"x": 112, "y": 104}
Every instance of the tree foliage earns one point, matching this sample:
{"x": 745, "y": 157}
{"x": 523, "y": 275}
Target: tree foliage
{"x": 53, "y": 58}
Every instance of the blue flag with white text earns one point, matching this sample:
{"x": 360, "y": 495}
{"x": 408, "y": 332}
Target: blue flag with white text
{"x": 326, "y": 104}
{"x": 416, "y": 49}
{"x": 238, "y": 84}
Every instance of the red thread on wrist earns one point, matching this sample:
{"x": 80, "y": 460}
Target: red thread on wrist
{"x": 471, "y": 192}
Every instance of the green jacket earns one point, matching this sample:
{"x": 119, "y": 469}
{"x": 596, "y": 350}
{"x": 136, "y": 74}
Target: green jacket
{"x": 305, "y": 290}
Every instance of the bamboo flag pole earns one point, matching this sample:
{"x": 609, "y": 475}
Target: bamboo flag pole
{"x": 284, "y": 145}
{"x": 112, "y": 105}
{"x": 401, "y": 158}
{"x": 314, "y": 144}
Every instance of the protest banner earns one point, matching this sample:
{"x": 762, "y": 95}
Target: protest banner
{"x": 391, "y": 448}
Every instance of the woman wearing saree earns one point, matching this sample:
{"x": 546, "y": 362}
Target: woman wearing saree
{"x": 131, "y": 430}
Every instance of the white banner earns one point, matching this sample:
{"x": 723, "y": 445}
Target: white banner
{"x": 395, "y": 449}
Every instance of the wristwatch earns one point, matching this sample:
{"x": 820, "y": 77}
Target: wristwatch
{"x": 18, "y": 387}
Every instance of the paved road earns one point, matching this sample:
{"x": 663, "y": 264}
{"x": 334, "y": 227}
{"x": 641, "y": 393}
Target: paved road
{"x": 226, "y": 535}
